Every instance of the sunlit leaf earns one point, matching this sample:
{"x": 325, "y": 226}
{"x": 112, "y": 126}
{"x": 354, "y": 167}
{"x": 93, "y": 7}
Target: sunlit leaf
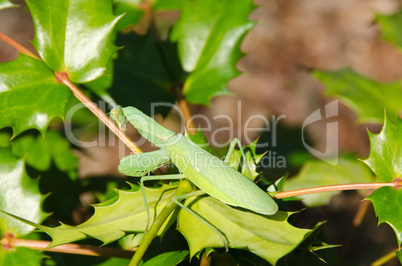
{"x": 112, "y": 219}
{"x": 385, "y": 150}
{"x": 209, "y": 35}
{"x": 168, "y": 258}
{"x": 368, "y": 98}
{"x": 6, "y": 4}
{"x": 251, "y": 161}
{"x": 30, "y": 96}
{"x": 21, "y": 256}
{"x": 19, "y": 194}
{"x": 74, "y": 36}
{"x": 270, "y": 237}
{"x": 388, "y": 208}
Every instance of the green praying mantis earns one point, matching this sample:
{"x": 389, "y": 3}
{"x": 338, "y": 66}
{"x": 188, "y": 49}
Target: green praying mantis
{"x": 207, "y": 172}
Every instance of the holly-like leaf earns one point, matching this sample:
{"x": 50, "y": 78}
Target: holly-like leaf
{"x": 19, "y": 194}
{"x": 368, "y": 98}
{"x": 391, "y": 27}
{"x": 6, "y": 4}
{"x": 270, "y": 237}
{"x": 386, "y": 150}
{"x": 74, "y": 35}
{"x": 209, "y": 34}
{"x": 386, "y": 161}
{"x": 251, "y": 161}
{"x": 112, "y": 219}
{"x": 21, "y": 256}
{"x": 30, "y": 96}
{"x": 388, "y": 208}
{"x": 319, "y": 173}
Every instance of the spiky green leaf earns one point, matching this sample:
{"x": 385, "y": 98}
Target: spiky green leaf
{"x": 19, "y": 194}
{"x": 209, "y": 35}
{"x": 368, "y": 98}
{"x": 391, "y": 27}
{"x": 30, "y": 96}
{"x": 270, "y": 237}
{"x": 113, "y": 219}
{"x": 320, "y": 173}
{"x": 388, "y": 208}
{"x": 74, "y": 36}
{"x": 251, "y": 161}
{"x": 386, "y": 150}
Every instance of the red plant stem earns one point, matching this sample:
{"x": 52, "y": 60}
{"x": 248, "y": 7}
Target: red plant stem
{"x": 73, "y": 248}
{"x": 305, "y": 191}
{"x": 17, "y": 46}
{"x": 63, "y": 77}
{"x": 187, "y": 117}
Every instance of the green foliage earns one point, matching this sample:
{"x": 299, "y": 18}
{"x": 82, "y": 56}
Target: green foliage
{"x": 252, "y": 160}
{"x": 209, "y": 41}
{"x": 19, "y": 194}
{"x": 243, "y": 229}
{"x": 168, "y": 258}
{"x": 21, "y": 256}
{"x": 385, "y": 152}
{"x": 149, "y": 77}
{"x": 40, "y": 152}
{"x": 391, "y": 27}
{"x": 113, "y": 219}
{"x": 386, "y": 161}
{"x": 6, "y": 4}
{"x": 74, "y": 36}
{"x": 29, "y": 90}
{"x": 386, "y": 202}
{"x": 366, "y": 97}
{"x": 319, "y": 173}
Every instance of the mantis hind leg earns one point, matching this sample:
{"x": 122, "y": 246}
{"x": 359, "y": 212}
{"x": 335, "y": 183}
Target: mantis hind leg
{"x": 144, "y": 196}
{"x": 230, "y": 151}
{"x": 196, "y": 215}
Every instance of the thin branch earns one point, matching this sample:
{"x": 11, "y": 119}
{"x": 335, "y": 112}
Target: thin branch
{"x": 17, "y": 46}
{"x": 187, "y": 116}
{"x": 63, "y": 78}
{"x": 71, "y": 248}
{"x": 306, "y": 191}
